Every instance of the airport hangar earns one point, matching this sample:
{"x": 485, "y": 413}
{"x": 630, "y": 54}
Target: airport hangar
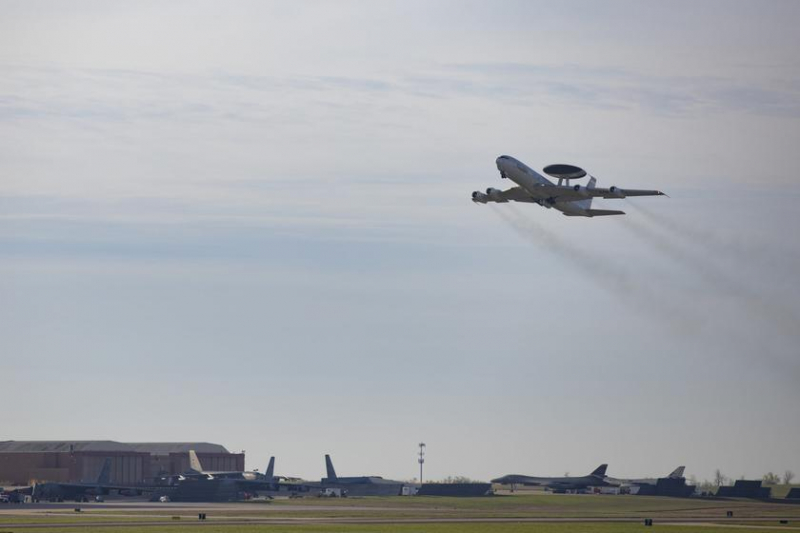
{"x": 25, "y": 462}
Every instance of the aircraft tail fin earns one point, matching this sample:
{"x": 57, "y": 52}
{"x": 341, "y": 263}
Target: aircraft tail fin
{"x": 104, "y": 477}
{"x": 600, "y": 471}
{"x": 329, "y": 467}
{"x": 677, "y": 473}
{"x": 194, "y": 462}
{"x": 270, "y": 472}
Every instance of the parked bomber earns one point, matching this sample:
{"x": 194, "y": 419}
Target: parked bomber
{"x": 532, "y": 187}
{"x": 199, "y": 485}
{"x": 559, "y": 484}
{"x": 196, "y": 471}
{"x": 359, "y": 485}
{"x": 675, "y": 474}
{"x": 81, "y": 491}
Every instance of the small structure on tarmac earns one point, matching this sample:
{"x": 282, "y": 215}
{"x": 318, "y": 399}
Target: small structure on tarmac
{"x": 454, "y": 489}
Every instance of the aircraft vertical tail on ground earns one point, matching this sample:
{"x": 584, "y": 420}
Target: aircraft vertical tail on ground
{"x": 270, "y": 471}
{"x": 600, "y": 471}
{"x": 194, "y": 462}
{"x": 329, "y": 467}
{"x": 677, "y": 473}
{"x": 104, "y": 477}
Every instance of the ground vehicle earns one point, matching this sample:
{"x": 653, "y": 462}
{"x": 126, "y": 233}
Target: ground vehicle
{"x": 333, "y": 492}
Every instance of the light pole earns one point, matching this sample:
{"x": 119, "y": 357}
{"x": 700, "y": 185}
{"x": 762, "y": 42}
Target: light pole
{"x": 421, "y": 460}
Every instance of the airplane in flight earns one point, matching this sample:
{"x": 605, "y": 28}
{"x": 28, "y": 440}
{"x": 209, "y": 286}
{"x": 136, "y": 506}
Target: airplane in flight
{"x": 571, "y": 200}
{"x": 559, "y": 484}
{"x": 675, "y": 474}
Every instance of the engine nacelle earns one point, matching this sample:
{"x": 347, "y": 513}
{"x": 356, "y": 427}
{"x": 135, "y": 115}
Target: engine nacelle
{"x": 495, "y": 194}
{"x": 479, "y": 197}
{"x": 581, "y": 190}
{"x": 616, "y": 192}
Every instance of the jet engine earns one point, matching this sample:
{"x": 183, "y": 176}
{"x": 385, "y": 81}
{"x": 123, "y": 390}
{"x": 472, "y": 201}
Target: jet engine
{"x": 495, "y": 194}
{"x": 581, "y": 190}
{"x": 478, "y": 196}
{"x": 616, "y": 192}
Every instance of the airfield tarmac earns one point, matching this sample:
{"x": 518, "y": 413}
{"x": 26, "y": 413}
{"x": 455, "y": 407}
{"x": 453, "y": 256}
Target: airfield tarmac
{"x": 545, "y": 513}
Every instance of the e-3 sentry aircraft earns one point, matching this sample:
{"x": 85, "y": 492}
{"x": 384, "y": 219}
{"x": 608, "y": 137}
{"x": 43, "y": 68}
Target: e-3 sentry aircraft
{"x": 572, "y": 200}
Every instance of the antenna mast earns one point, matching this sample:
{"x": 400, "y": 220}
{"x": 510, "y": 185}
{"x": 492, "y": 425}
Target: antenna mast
{"x": 421, "y": 460}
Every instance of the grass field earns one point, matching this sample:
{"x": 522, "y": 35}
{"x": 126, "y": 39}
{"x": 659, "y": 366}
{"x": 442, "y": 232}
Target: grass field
{"x": 581, "y": 513}
{"x": 476, "y": 527}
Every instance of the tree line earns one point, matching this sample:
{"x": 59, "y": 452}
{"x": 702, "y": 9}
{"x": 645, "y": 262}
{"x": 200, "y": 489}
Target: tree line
{"x": 720, "y": 479}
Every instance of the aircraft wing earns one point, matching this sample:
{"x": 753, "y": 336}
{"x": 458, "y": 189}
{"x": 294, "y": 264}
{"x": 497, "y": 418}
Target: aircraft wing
{"x": 563, "y": 193}
{"x": 608, "y": 193}
{"x": 516, "y": 194}
{"x": 275, "y": 485}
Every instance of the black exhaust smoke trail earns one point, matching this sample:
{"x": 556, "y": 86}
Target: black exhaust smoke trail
{"x": 783, "y": 319}
{"x": 682, "y": 318}
{"x": 536, "y": 234}
{"x": 704, "y": 238}
{"x": 608, "y": 276}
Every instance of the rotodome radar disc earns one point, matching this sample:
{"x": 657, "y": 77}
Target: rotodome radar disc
{"x": 567, "y": 172}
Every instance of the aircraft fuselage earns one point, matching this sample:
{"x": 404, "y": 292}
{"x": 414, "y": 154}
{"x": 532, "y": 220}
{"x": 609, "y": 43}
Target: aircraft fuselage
{"x": 534, "y": 184}
{"x": 555, "y": 483}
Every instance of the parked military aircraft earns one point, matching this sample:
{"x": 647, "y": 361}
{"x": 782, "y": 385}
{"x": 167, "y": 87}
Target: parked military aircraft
{"x": 202, "y": 485}
{"x": 675, "y": 474}
{"x": 196, "y": 470}
{"x": 81, "y": 491}
{"x": 559, "y": 484}
{"x": 359, "y": 485}
{"x": 534, "y": 188}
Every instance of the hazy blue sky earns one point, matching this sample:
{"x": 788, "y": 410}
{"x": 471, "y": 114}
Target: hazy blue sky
{"x": 249, "y": 223}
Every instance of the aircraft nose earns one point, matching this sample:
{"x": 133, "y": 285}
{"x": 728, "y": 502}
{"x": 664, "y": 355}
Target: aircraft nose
{"x": 502, "y": 161}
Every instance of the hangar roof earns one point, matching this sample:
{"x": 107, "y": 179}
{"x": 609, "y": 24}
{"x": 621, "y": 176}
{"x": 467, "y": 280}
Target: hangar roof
{"x": 163, "y": 448}
{"x": 62, "y": 446}
{"x": 156, "y": 448}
